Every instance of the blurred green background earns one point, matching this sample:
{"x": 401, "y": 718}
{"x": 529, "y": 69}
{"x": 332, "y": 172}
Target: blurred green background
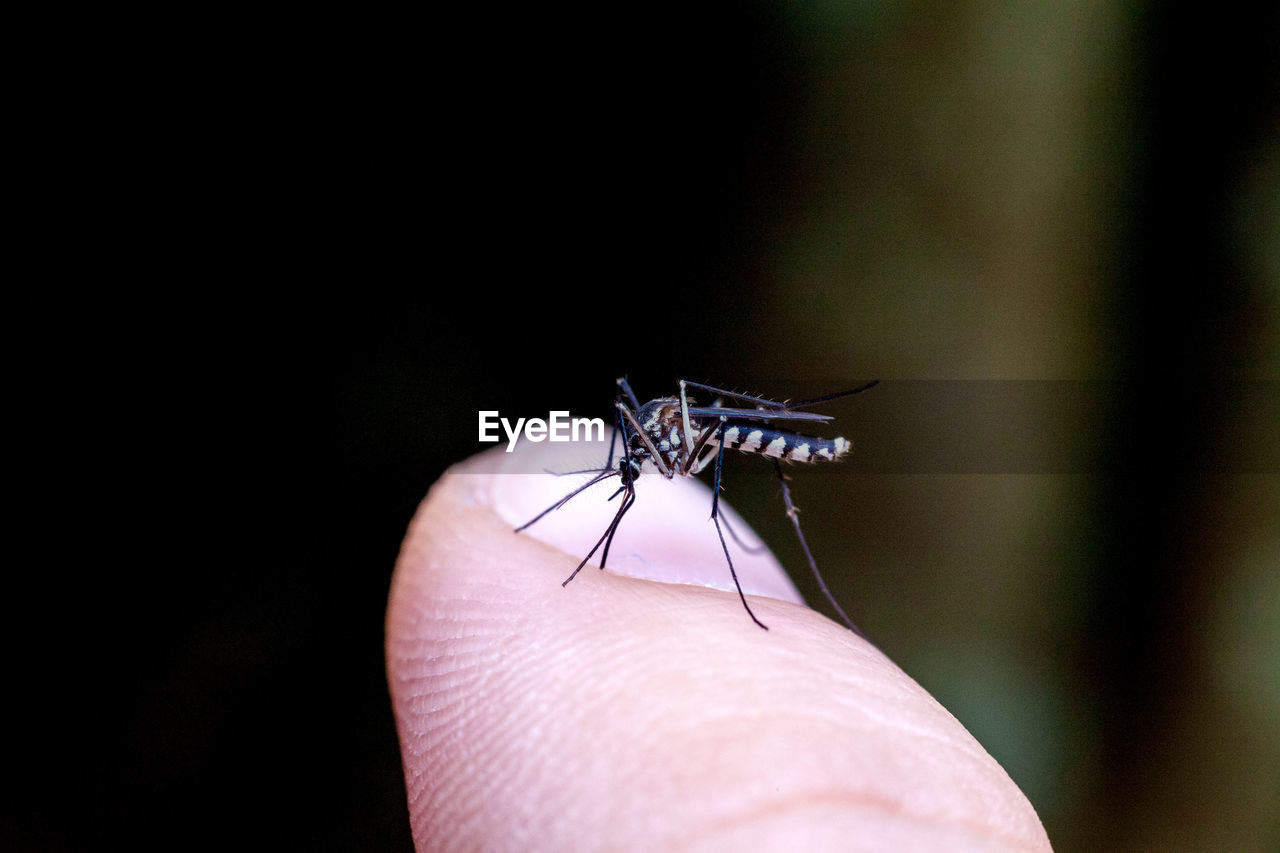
{"x": 1051, "y": 230}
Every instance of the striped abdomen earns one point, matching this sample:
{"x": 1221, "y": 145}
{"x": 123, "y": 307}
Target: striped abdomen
{"x": 784, "y": 445}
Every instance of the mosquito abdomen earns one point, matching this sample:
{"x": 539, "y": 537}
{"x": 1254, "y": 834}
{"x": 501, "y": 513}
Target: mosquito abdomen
{"x": 784, "y": 445}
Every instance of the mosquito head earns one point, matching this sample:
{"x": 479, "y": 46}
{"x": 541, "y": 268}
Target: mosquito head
{"x": 628, "y": 469}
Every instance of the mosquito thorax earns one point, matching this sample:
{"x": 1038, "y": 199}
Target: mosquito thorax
{"x": 663, "y": 423}
{"x": 629, "y": 469}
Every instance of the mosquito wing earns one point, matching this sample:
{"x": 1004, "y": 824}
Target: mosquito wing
{"x": 755, "y": 414}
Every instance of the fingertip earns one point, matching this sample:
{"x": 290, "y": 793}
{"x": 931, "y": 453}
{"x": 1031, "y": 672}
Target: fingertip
{"x": 640, "y": 715}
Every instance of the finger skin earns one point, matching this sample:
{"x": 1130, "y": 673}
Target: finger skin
{"x": 626, "y": 714}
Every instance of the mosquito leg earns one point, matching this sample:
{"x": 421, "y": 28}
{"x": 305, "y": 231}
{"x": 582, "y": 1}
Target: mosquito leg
{"x": 631, "y": 395}
{"x": 715, "y": 490}
{"x": 789, "y": 406}
{"x": 759, "y": 401}
{"x": 692, "y": 464}
{"x": 648, "y": 443}
{"x": 608, "y": 534}
{"x": 628, "y": 485}
{"x": 617, "y": 428}
{"x": 715, "y": 513}
{"x": 735, "y": 576}
{"x": 626, "y": 505}
{"x": 759, "y": 549}
{"x": 684, "y": 415}
{"x": 697, "y": 466}
{"x": 801, "y": 403}
{"x": 794, "y": 515}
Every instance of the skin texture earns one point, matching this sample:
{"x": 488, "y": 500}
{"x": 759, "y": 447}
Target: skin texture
{"x": 645, "y": 712}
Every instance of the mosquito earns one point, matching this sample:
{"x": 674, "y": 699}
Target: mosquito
{"x": 680, "y": 438}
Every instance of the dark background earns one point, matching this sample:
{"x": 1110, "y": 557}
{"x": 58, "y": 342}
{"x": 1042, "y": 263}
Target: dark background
{"x": 356, "y": 234}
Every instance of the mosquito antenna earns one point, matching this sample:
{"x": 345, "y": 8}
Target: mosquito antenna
{"x": 603, "y": 475}
{"x": 802, "y": 403}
